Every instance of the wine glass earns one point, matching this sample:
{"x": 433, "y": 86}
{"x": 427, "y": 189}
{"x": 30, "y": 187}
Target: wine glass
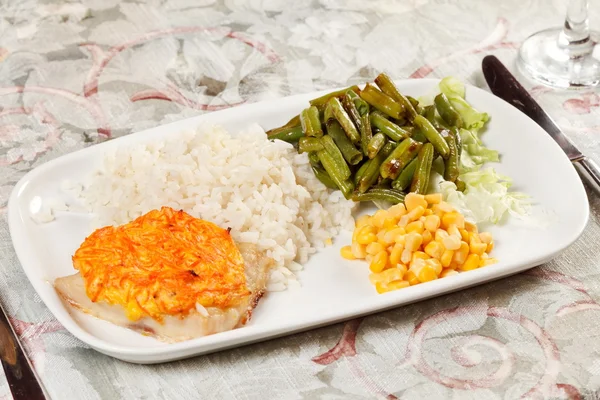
{"x": 567, "y": 57}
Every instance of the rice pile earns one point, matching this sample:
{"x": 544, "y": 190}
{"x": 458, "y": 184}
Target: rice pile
{"x": 265, "y": 191}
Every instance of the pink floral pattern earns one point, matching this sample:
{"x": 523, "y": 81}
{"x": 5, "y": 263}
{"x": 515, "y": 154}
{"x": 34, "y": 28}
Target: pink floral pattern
{"x": 77, "y": 73}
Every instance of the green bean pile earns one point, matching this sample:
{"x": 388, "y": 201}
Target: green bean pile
{"x": 376, "y": 144}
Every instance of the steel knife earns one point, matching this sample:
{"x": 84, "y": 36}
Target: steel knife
{"x": 504, "y": 85}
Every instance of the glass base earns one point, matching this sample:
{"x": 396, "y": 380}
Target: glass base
{"x": 543, "y": 58}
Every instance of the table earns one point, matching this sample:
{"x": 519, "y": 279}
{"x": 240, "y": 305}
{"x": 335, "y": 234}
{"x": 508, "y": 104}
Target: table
{"x": 75, "y": 73}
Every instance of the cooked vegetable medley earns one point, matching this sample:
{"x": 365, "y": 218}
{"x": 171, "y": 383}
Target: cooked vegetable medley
{"x": 376, "y": 143}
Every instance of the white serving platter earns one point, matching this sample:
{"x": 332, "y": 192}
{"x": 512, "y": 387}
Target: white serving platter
{"x": 333, "y": 289}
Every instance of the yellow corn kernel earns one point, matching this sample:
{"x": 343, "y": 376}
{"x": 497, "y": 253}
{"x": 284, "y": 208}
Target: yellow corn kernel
{"x": 434, "y": 249}
{"x": 454, "y": 231}
{"x": 470, "y": 227}
{"x": 440, "y": 235}
{"x": 433, "y": 198}
{"x": 402, "y": 268}
{"x": 397, "y": 210}
{"x": 446, "y": 258}
{"x": 406, "y": 256}
{"x": 346, "y": 252}
{"x": 445, "y": 207}
{"x": 359, "y": 250}
{"x": 432, "y": 223}
{"x": 414, "y": 200}
{"x": 423, "y": 271}
{"x": 490, "y": 247}
{"x": 391, "y": 235}
{"x": 411, "y": 278}
{"x": 428, "y": 212}
{"x": 368, "y": 258}
{"x": 436, "y": 210}
{"x": 366, "y": 235}
{"x": 448, "y": 272}
{"x": 386, "y": 276}
{"x": 401, "y": 239}
{"x": 403, "y": 221}
{"x": 453, "y": 218}
{"x": 395, "y": 254}
{"x": 415, "y": 226}
{"x": 378, "y": 218}
{"x": 389, "y": 223}
{"x": 418, "y": 255}
{"x": 485, "y": 237}
{"x": 451, "y": 242}
{"x": 362, "y": 221}
{"x": 381, "y": 287}
{"x": 487, "y": 261}
{"x": 415, "y": 213}
{"x": 461, "y": 254}
{"x": 471, "y": 263}
{"x": 427, "y": 238}
{"x": 381, "y": 237}
{"x": 435, "y": 264}
{"x": 413, "y": 241}
{"x": 465, "y": 235}
{"x": 477, "y": 248}
{"x": 395, "y": 285}
{"x": 374, "y": 248}
{"x": 379, "y": 261}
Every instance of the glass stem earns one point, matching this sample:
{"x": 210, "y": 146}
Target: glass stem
{"x": 575, "y": 36}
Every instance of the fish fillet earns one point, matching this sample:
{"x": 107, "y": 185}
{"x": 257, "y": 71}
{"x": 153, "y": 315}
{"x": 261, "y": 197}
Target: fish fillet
{"x": 199, "y": 322}
{"x": 168, "y": 275}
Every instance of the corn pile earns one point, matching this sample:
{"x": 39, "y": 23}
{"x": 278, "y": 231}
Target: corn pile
{"x": 418, "y": 241}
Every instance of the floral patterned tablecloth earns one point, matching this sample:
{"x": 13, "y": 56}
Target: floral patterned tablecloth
{"x": 75, "y": 73}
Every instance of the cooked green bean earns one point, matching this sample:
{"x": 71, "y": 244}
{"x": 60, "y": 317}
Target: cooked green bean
{"x": 381, "y": 101}
{"x": 313, "y": 158}
{"x": 350, "y": 153}
{"x": 359, "y": 103}
{"x": 371, "y": 173}
{"x": 361, "y": 171}
{"x": 375, "y": 144}
{"x": 344, "y": 119}
{"x": 387, "y": 127}
{"x": 388, "y": 87}
{"x": 432, "y": 135}
{"x": 290, "y": 135}
{"x": 447, "y": 112}
{"x": 324, "y": 177}
{"x": 366, "y": 133}
{"x": 418, "y": 136}
{"x": 328, "y": 114}
{"x": 308, "y": 144}
{"x": 392, "y": 195}
{"x": 402, "y": 182}
{"x": 352, "y": 111}
{"x": 456, "y": 133}
{"x": 413, "y": 101}
{"x": 399, "y": 158}
{"x": 452, "y": 163}
{"x": 420, "y": 180}
{"x": 290, "y": 124}
{"x": 310, "y": 121}
{"x": 320, "y": 102}
{"x": 336, "y": 172}
{"x": 435, "y": 121}
{"x": 336, "y": 154}
{"x": 460, "y": 185}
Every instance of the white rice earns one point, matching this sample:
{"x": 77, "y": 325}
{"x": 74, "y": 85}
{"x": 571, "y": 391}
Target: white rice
{"x": 265, "y": 191}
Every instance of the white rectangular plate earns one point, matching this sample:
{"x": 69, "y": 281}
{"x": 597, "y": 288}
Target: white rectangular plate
{"x": 333, "y": 289}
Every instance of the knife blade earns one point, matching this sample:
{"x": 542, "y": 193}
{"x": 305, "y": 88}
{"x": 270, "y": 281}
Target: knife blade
{"x": 503, "y": 84}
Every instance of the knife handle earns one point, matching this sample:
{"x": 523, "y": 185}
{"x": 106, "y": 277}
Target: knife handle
{"x": 591, "y": 169}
